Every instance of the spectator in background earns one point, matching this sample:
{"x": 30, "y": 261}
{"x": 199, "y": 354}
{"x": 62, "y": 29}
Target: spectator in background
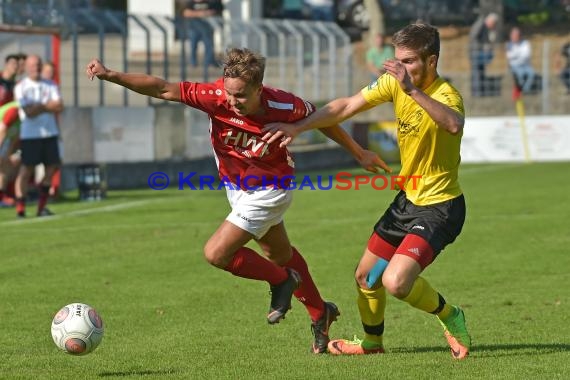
{"x": 321, "y": 10}
{"x": 377, "y": 55}
{"x": 519, "y": 53}
{"x": 195, "y": 11}
{"x": 564, "y": 67}
{"x": 49, "y": 74}
{"x": 482, "y": 36}
{"x": 21, "y": 65}
{"x": 8, "y": 78}
{"x": 48, "y": 71}
{"x": 39, "y": 102}
{"x": 9, "y": 144}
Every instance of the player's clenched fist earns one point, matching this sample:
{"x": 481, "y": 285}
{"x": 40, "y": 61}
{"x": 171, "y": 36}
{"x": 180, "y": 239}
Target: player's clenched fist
{"x": 96, "y": 69}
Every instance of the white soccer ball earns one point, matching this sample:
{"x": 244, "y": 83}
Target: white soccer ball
{"x": 77, "y": 329}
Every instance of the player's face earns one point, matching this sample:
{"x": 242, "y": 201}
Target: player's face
{"x": 421, "y": 72}
{"x": 243, "y": 98}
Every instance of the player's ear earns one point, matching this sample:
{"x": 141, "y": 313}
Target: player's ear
{"x": 432, "y": 60}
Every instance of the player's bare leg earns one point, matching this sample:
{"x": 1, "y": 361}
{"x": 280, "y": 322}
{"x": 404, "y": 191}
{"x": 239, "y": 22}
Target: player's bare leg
{"x": 277, "y": 247}
{"x": 225, "y": 250}
{"x": 223, "y": 244}
{"x": 400, "y": 275}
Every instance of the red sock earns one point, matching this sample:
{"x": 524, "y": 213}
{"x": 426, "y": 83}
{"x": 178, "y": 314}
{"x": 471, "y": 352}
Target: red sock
{"x": 44, "y": 195}
{"x": 55, "y": 183}
{"x": 247, "y": 263}
{"x": 307, "y": 294}
{"x": 1, "y": 195}
{"x": 20, "y": 205}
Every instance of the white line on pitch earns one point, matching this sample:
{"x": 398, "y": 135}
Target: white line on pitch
{"x": 94, "y": 210}
{"x": 469, "y": 170}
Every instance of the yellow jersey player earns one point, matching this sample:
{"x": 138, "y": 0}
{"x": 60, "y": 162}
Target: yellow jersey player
{"x": 426, "y": 215}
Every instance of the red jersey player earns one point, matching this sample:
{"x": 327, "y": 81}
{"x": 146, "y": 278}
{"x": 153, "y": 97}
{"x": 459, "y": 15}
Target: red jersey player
{"x": 9, "y": 144}
{"x": 239, "y": 105}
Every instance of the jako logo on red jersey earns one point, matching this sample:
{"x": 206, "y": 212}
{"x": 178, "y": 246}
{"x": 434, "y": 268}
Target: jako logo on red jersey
{"x": 235, "y": 120}
{"x": 242, "y": 140}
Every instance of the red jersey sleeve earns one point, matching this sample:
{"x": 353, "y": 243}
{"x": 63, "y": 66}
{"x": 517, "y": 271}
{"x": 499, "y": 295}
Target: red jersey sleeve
{"x": 301, "y": 109}
{"x": 285, "y": 106}
{"x": 203, "y": 96}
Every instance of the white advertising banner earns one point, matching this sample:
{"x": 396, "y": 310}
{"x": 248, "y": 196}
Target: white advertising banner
{"x": 512, "y": 139}
{"x": 548, "y": 137}
{"x": 122, "y": 135}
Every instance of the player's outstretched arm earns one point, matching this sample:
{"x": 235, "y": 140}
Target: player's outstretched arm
{"x": 367, "y": 159}
{"x": 333, "y": 113}
{"x": 142, "y": 83}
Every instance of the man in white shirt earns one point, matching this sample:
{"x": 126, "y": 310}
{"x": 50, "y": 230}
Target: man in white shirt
{"x": 518, "y": 54}
{"x": 39, "y": 101}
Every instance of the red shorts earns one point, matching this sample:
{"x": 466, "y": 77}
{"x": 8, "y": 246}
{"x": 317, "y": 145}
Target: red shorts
{"x": 413, "y": 246}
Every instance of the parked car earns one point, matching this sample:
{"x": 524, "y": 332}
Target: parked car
{"x": 353, "y": 13}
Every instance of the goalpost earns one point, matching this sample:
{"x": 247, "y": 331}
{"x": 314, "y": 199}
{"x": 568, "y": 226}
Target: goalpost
{"x": 46, "y": 43}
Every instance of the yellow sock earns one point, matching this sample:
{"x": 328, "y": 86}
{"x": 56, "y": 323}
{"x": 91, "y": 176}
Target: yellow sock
{"x": 447, "y": 311}
{"x": 424, "y": 297}
{"x": 371, "y": 305}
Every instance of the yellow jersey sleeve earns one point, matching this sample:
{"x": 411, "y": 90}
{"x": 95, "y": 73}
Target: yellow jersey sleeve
{"x": 382, "y": 90}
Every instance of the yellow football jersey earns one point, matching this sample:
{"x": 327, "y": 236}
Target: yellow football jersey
{"x": 425, "y": 149}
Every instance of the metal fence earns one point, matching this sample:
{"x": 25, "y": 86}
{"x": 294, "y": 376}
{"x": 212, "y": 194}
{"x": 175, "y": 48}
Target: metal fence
{"x": 490, "y": 87}
{"x": 311, "y": 59}
{"x": 315, "y": 60}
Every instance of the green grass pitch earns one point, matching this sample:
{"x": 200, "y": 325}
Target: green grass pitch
{"x": 137, "y": 258}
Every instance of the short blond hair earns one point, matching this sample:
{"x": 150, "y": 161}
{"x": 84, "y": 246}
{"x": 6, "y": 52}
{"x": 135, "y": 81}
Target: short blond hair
{"x": 245, "y": 65}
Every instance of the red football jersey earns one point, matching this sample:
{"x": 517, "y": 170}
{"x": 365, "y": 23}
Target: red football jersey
{"x": 240, "y": 152}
